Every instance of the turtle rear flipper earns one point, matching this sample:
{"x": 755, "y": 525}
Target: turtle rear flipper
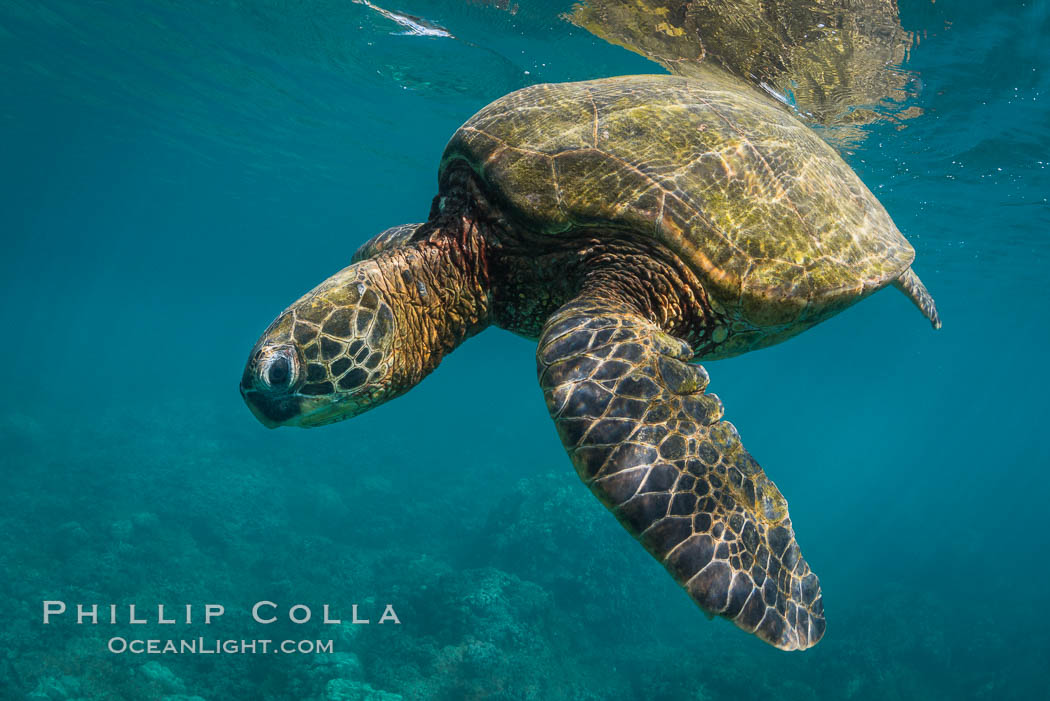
{"x": 910, "y": 284}
{"x": 643, "y": 435}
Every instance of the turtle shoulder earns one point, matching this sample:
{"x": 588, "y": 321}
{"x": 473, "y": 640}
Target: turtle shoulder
{"x": 778, "y": 227}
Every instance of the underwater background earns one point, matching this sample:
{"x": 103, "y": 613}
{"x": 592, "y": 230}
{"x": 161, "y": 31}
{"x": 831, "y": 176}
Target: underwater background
{"x": 173, "y": 174}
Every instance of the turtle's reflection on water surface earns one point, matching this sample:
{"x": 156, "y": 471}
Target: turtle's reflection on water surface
{"x": 836, "y": 62}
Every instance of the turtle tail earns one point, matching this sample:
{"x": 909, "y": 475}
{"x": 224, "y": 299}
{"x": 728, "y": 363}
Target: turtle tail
{"x": 910, "y": 284}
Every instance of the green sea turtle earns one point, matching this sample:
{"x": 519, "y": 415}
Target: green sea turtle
{"x": 632, "y": 225}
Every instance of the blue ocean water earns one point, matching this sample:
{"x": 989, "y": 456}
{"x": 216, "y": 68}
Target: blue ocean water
{"x": 173, "y": 175}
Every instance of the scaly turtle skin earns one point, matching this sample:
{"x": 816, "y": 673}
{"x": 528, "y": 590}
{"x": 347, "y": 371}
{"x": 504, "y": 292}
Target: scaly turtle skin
{"x": 631, "y": 225}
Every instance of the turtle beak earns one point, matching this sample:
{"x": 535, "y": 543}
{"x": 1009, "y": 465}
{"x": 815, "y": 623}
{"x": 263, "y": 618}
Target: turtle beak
{"x": 271, "y": 411}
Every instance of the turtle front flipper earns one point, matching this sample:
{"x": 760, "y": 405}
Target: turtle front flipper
{"x": 391, "y": 238}
{"x": 642, "y": 434}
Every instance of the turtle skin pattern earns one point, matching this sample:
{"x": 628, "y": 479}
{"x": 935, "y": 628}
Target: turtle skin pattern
{"x": 782, "y": 233}
{"x": 341, "y": 326}
{"x": 652, "y": 446}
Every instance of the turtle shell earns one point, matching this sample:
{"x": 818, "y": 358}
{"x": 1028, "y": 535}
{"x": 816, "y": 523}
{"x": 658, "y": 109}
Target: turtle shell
{"x": 781, "y": 232}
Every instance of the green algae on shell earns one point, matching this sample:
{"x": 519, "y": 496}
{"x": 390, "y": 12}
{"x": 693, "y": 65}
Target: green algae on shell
{"x": 778, "y": 227}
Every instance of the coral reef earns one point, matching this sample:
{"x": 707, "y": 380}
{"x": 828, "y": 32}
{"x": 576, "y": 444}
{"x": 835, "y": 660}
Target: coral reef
{"x": 538, "y": 595}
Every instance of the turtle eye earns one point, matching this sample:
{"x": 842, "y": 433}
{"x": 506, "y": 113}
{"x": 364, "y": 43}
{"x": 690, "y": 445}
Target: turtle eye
{"x": 277, "y": 371}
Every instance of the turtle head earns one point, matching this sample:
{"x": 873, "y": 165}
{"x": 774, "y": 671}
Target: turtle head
{"x": 329, "y": 356}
